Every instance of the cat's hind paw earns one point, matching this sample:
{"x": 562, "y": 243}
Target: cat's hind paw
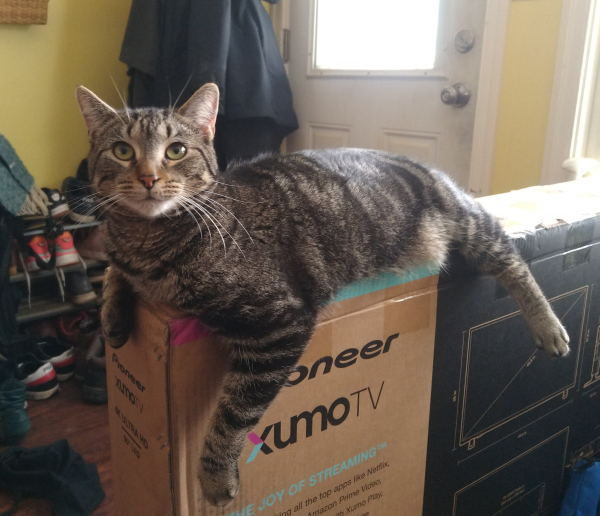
{"x": 552, "y": 338}
{"x": 218, "y": 487}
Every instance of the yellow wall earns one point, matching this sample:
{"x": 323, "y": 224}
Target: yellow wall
{"x": 40, "y": 66}
{"x": 530, "y": 56}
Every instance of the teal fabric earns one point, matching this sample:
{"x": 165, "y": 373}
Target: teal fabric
{"x": 15, "y": 180}
{"x": 14, "y": 421}
{"x": 385, "y": 280}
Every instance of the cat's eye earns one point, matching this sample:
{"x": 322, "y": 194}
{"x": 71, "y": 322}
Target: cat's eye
{"x": 123, "y": 151}
{"x": 176, "y": 151}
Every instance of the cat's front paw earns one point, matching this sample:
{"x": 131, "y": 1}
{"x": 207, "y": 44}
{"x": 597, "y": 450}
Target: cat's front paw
{"x": 218, "y": 487}
{"x": 116, "y": 339}
{"x": 115, "y": 329}
{"x": 551, "y": 336}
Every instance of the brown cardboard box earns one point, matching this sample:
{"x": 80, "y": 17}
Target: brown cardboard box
{"x": 364, "y": 448}
{"x": 351, "y": 436}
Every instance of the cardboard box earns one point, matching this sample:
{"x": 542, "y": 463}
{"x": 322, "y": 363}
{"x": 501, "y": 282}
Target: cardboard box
{"x": 352, "y": 431}
{"x": 364, "y": 429}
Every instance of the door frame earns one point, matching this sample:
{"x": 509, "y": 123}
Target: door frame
{"x": 574, "y": 75}
{"x": 488, "y": 94}
{"x": 488, "y": 97}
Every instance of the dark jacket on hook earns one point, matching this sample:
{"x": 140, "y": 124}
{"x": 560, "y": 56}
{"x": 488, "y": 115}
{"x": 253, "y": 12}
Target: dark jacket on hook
{"x": 173, "y": 47}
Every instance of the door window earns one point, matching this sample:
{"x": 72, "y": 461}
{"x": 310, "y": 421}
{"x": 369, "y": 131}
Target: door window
{"x": 375, "y": 36}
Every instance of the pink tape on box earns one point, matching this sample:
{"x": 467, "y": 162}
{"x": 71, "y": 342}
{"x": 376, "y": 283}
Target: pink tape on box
{"x": 187, "y": 329}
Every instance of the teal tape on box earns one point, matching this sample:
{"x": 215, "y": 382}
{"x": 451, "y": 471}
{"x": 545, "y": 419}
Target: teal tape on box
{"x": 384, "y": 280}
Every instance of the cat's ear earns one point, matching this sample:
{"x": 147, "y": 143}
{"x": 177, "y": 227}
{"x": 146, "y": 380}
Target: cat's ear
{"x": 94, "y": 110}
{"x": 202, "y": 108}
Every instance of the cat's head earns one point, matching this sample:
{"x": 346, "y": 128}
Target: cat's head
{"x": 150, "y": 160}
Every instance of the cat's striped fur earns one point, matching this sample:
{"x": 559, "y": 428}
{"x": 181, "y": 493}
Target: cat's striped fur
{"x": 258, "y": 250}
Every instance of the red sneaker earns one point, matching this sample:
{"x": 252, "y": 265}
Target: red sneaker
{"x": 39, "y": 245}
{"x": 65, "y": 250}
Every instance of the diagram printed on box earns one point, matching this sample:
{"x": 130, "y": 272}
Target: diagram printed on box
{"x": 508, "y": 422}
{"x": 594, "y": 374}
{"x": 527, "y": 485}
{"x": 494, "y": 392}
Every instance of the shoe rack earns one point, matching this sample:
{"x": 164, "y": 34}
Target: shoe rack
{"x": 20, "y": 276}
{"x": 44, "y": 305}
{"x": 66, "y": 227}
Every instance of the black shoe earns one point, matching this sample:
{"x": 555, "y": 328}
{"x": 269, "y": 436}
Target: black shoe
{"x": 60, "y": 355}
{"x": 58, "y": 203}
{"x": 30, "y": 365}
{"x": 94, "y": 380}
{"x": 81, "y": 200}
{"x": 79, "y": 288}
{"x": 39, "y": 377}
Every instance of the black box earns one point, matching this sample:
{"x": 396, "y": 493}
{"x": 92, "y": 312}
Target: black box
{"x": 508, "y": 422}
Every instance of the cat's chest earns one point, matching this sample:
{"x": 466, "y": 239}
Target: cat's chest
{"x": 155, "y": 281}
{"x": 163, "y": 290}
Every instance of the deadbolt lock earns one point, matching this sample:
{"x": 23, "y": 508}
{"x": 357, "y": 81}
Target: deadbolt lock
{"x": 464, "y": 41}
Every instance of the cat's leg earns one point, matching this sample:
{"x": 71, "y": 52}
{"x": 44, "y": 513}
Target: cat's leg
{"x": 117, "y": 308}
{"x": 490, "y": 250}
{"x": 258, "y": 372}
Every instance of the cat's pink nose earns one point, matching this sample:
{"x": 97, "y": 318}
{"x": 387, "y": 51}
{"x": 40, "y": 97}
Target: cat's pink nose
{"x": 148, "y": 181}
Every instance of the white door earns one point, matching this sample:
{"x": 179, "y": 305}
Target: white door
{"x": 371, "y": 75}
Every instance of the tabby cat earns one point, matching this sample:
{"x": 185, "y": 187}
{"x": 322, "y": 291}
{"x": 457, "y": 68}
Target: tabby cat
{"x": 258, "y": 250}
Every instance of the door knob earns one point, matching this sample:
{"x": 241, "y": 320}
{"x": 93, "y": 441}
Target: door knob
{"x": 457, "y": 95}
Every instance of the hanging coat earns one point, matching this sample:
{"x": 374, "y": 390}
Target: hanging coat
{"x": 173, "y": 47}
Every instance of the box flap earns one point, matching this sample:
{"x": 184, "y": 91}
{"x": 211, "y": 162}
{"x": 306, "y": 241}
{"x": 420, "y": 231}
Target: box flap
{"x": 545, "y": 206}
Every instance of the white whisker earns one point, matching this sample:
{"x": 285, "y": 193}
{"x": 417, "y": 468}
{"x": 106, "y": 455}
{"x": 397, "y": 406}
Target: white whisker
{"x": 72, "y": 207}
{"x": 227, "y": 197}
{"x": 212, "y": 201}
{"x": 180, "y": 94}
{"x": 99, "y": 205}
{"x": 116, "y": 200}
{"x": 216, "y": 212}
{"x": 212, "y": 219}
{"x": 224, "y": 228}
{"x": 122, "y": 100}
{"x": 233, "y": 186}
{"x": 200, "y": 215}
{"x": 195, "y": 219}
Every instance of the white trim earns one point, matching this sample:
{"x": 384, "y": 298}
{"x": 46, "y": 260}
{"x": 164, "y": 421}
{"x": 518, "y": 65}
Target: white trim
{"x": 571, "y": 80}
{"x": 432, "y": 139}
{"x": 488, "y": 97}
{"x": 280, "y": 18}
{"x": 588, "y": 82}
{"x": 343, "y": 131}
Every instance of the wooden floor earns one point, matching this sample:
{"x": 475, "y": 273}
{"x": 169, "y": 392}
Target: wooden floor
{"x": 66, "y": 416}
